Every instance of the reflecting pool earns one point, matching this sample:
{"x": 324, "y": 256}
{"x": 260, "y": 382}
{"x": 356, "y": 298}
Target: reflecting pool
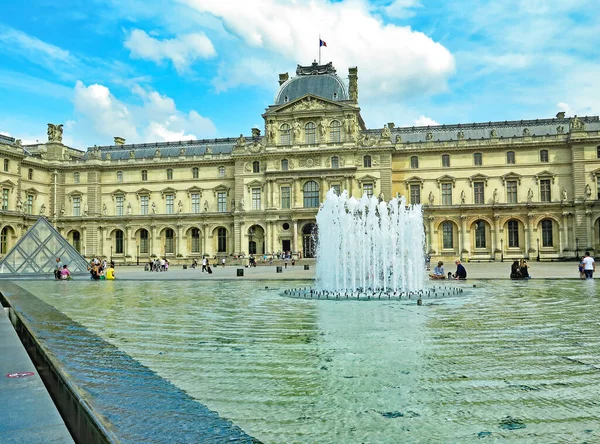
{"x": 516, "y": 361}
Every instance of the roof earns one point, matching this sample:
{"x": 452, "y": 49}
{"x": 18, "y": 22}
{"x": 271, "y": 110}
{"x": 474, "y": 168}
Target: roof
{"x": 319, "y": 80}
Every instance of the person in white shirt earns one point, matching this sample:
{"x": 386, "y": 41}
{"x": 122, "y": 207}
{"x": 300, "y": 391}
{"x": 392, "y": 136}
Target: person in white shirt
{"x": 589, "y": 265}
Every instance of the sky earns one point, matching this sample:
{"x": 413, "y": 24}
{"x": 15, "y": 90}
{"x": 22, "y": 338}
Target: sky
{"x": 166, "y": 70}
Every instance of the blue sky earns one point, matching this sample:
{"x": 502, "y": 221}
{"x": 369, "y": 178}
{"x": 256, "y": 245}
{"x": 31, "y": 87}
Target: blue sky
{"x": 181, "y": 69}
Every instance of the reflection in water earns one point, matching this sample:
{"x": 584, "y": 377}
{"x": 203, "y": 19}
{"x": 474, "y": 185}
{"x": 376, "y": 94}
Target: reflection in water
{"x": 519, "y": 361}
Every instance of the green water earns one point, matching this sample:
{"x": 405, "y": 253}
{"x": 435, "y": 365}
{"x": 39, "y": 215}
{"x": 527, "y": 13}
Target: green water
{"x": 513, "y": 361}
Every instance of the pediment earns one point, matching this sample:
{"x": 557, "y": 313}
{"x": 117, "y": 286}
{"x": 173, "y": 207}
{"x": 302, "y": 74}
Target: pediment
{"x": 544, "y": 174}
{"x": 306, "y": 103}
{"x": 142, "y": 192}
{"x": 445, "y": 179}
{"x": 367, "y": 178}
{"x": 75, "y": 193}
{"x": 168, "y": 190}
{"x": 220, "y": 189}
{"x": 118, "y": 192}
{"x": 255, "y": 184}
{"x": 478, "y": 178}
{"x": 414, "y": 180}
{"x": 31, "y": 191}
{"x": 7, "y": 184}
{"x": 511, "y": 176}
{"x": 194, "y": 189}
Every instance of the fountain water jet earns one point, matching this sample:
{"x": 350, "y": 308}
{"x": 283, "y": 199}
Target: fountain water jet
{"x": 368, "y": 245}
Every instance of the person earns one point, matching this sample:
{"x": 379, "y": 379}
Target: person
{"x": 65, "y": 274}
{"x": 580, "y": 267}
{"x": 523, "y": 268}
{"x": 204, "y": 263}
{"x": 461, "y": 271}
{"x": 589, "y": 265}
{"x": 438, "y": 272}
{"x": 110, "y": 273}
{"x": 223, "y": 262}
{"x": 515, "y": 272}
{"x": 58, "y": 269}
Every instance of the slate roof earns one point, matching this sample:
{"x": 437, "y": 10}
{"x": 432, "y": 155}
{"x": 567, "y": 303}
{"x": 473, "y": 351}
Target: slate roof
{"x": 319, "y": 80}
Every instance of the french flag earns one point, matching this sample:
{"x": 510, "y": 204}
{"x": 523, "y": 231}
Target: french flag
{"x": 322, "y": 43}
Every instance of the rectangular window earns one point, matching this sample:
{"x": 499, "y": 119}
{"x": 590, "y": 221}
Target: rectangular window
{"x": 75, "y": 177}
{"x": 119, "y": 205}
{"x": 335, "y": 162}
{"x": 513, "y": 234}
{"x": 510, "y": 157}
{"x": 222, "y": 202}
{"x": 480, "y": 235}
{"x": 445, "y": 160}
{"x": 144, "y": 205}
{"x": 5, "y": 192}
{"x": 447, "y": 235}
{"x": 195, "y": 202}
{"x": 415, "y": 194}
{"x": 77, "y": 206}
{"x": 337, "y": 189}
{"x": 446, "y": 194}
{"x": 478, "y": 159}
{"x": 547, "y": 233}
{"x": 285, "y": 197}
{"x": 29, "y": 204}
{"x": 144, "y": 242}
{"x": 6, "y": 165}
{"x": 368, "y": 188}
{"x": 256, "y": 198}
{"x": 144, "y": 175}
{"x": 478, "y": 193}
{"x": 511, "y": 191}
{"x": 170, "y": 204}
{"x": 545, "y": 190}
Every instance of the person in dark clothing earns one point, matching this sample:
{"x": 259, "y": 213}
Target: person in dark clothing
{"x": 461, "y": 271}
{"x": 515, "y": 272}
{"x": 523, "y": 268}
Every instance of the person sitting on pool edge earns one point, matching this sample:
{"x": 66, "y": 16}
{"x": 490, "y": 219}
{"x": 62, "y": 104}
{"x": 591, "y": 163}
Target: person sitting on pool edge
{"x": 461, "y": 271}
{"x": 438, "y": 272}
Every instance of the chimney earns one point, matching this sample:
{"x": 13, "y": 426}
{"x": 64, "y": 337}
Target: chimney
{"x": 560, "y": 115}
{"x": 353, "y": 84}
{"x": 283, "y": 78}
{"x": 119, "y": 141}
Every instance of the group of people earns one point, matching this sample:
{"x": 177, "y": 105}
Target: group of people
{"x": 587, "y": 266}
{"x": 101, "y": 270}
{"x": 157, "y": 264}
{"x": 519, "y": 270}
{"x": 61, "y": 272}
{"x": 460, "y": 273}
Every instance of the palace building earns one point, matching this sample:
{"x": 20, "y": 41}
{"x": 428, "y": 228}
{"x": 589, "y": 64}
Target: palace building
{"x": 490, "y": 191}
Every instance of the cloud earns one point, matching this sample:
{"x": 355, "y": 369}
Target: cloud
{"x": 155, "y": 119}
{"x": 19, "y": 41}
{"x": 425, "y": 121}
{"x": 181, "y": 51}
{"x": 402, "y": 8}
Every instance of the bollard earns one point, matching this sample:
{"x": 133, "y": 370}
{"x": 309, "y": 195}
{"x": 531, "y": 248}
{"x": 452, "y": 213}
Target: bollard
{"x": 279, "y": 269}
{"x": 240, "y": 272}
{"x": 185, "y": 267}
{"x": 306, "y": 267}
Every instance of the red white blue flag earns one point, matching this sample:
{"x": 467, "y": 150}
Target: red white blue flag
{"x": 322, "y": 43}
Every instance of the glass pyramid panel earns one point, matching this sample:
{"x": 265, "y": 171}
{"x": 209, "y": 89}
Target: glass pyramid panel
{"x": 37, "y": 250}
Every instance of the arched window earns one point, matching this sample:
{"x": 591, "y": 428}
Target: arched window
{"x": 335, "y": 162}
{"x": 445, "y": 160}
{"x": 144, "y": 241}
{"x": 169, "y": 241}
{"x": 310, "y": 133}
{"x": 195, "y": 173}
{"x": 222, "y": 240}
{"x": 119, "y": 242}
{"x": 367, "y": 161}
{"x": 510, "y": 157}
{"x": 480, "y": 234}
{"x": 284, "y": 164}
{"x": 119, "y": 176}
{"x": 513, "y": 233}
{"x": 477, "y": 159}
{"x": 285, "y": 136}
{"x": 221, "y": 171}
{"x": 335, "y": 131}
{"x": 77, "y": 241}
{"x": 144, "y": 175}
{"x": 195, "y": 240}
{"x": 447, "y": 234}
{"x": 256, "y": 166}
{"x": 311, "y": 194}
{"x": 544, "y": 156}
{"x": 414, "y": 162}
{"x": 4, "y": 240}
{"x": 169, "y": 174}
{"x": 547, "y": 240}
{"x": 30, "y": 174}
{"x": 75, "y": 177}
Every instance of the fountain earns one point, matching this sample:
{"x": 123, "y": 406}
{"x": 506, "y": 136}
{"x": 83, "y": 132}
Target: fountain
{"x": 367, "y": 245}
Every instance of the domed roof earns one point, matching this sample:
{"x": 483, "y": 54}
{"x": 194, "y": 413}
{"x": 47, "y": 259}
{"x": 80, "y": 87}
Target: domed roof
{"x": 319, "y": 80}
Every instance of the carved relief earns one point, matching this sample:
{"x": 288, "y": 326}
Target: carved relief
{"x": 560, "y": 129}
{"x": 493, "y": 133}
{"x": 248, "y": 167}
{"x": 309, "y": 163}
{"x": 429, "y": 135}
{"x": 577, "y": 124}
{"x": 460, "y": 135}
{"x": 526, "y": 132}
{"x": 55, "y": 133}
{"x": 366, "y": 140}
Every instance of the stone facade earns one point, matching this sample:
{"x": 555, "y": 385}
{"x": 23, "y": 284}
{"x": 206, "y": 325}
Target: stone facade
{"x": 490, "y": 191}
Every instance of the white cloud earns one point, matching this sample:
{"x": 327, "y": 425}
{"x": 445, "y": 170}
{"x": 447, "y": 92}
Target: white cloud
{"x": 566, "y": 108}
{"x": 402, "y": 8}
{"x": 181, "y": 51}
{"x": 425, "y": 121}
{"x": 19, "y": 41}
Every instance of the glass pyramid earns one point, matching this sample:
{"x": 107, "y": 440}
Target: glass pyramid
{"x": 37, "y": 250}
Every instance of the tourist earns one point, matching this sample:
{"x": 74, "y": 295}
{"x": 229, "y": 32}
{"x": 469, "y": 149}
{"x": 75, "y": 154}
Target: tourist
{"x": 515, "y": 271}
{"x": 204, "y": 263}
{"x": 65, "y": 274}
{"x": 223, "y": 262}
{"x": 461, "y": 272}
{"x": 58, "y": 269}
{"x": 580, "y": 268}
{"x": 110, "y": 273}
{"x": 438, "y": 272}
{"x": 589, "y": 265}
{"x": 523, "y": 268}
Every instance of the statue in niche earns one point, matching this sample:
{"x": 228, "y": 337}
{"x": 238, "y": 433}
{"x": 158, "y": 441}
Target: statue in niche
{"x": 242, "y": 204}
{"x": 563, "y": 193}
{"x": 385, "y": 132}
{"x": 588, "y": 191}
{"x": 19, "y": 205}
{"x": 104, "y": 210}
{"x": 182, "y": 152}
{"x": 180, "y": 207}
{"x": 348, "y": 126}
{"x": 208, "y": 150}
{"x": 132, "y": 154}
{"x": 241, "y": 141}
{"x": 206, "y": 205}
{"x": 577, "y": 124}
{"x": 62, "y": 210}
{"x": 297, "y": 131}
{"x": 463, "y": 197}
{"x": 233, "y": 204}
{"x": 270, "y": 131}
{"x": 526, "y": 132}
{"x": 157, "y": 153}
{"x": 495, "y": 196}
{"x": 322, "y": 129}
{"x": 529, "y": 195}
{"x": 153, "y": 208}
{"x": 429, "y": 135}
{"x": 43, "y": 210}
{"x": 85, "y": 209}
{"x": 460, "y": 135}
{"x": 493, "y": 133}
{"x": 431, "y": 198}
{"x": 129, "y": 209}
{"x": 55, "y": 133}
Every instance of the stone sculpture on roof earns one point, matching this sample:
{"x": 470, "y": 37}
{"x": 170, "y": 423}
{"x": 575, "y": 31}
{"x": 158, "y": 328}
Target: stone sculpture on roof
{"x": 493, "y": 133}
{"x": 385, "y": 132}
{"x": 577, "y": 124}
{"x": 241, "y": 141}
{"x": 429, "y": 135}
{"x": 55, "y": 133}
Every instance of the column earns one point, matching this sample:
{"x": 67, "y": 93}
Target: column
{"x": 296, "y": 193}
{"x": 322, "y": 191}
{"x": 274, "y": 238}
{"x": 178, "y": 246}
{"x": 100, "y": 250}
{"x": 295, "y": 246}
{"x": 499, "y": 244}
{"x": 268, "y": 199}
{"x": 152, "y": 247}
{"x": 126, "y": 243}
{"x": 204, "y": 244}
{"x": 564, "y": 238}
{"x": 589, "y": 244}
{"x": 431, "y": 220}
{"x": 84, "y": 241}
{"x": 462, "y": 235}
{"x": 529, "y": 236}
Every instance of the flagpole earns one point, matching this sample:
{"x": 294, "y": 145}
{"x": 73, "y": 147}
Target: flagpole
{"x": 319, "y": 49}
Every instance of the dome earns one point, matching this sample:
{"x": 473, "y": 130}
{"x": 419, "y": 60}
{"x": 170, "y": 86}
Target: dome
{"x": 318, "y": 80}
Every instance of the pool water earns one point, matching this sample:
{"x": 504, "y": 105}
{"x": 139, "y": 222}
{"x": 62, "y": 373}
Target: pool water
{"x": 516, "y": 361}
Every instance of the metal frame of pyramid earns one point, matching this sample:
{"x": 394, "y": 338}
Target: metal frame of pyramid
{"x": 36, "y": 252}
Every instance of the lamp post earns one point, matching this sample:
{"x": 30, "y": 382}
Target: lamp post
{"x": 538, "y": 250}
{"x": 576, "y": 248}
{"x": 111, "y": 259}
{"x": 251, "y": 236}
{"x": 501, "y": 250}
{"x": 137, "y": 258}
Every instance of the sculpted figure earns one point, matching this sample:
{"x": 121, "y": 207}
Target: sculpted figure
{"x": 460, "y": 135}
{"x": 55, "y": 133}
{"x": 179, "y": 207}
{"x": 526, "y": 132}
{"x": 493, "y": 133}
{"x": 297, "y": 131}
{"x": 153, "y": 208}
{"x": 495, "y": 195}
{"x": 577, "y": 124}
{"x": 385, "y": 132}
{"x": 129, "y": 209}
{"x": 429, "y": 135}
{"x": 208, "y": 150}
{"x": 270, "y": 130}
{"x": 132, "y": 154}
{"x": 529, "y": 195}
{"x": 431, "y": 198}
{"x": 62, "y": 210}
{"x": 85, "y": 209}
{"x": 19, "y": 205}
{"x": 206, "y": 205}
{"x": 322, "y": 130}
{"x": 241, "y": 140}
{"x": 104, "y": 209}
{"x": 564, "y": 193}
{"x": 463, "y": 197}
{"x": 588, "y": 191}
{"x": 43, "y": 210}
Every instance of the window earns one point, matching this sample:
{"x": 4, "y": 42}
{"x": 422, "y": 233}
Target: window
{"x": 221, "y": 171}
{"x": 195, "y": 202}
{"x": 6, "y": 165}
{"x": 545, "y": 195}
{"x": 447, "y": 234}
{"x": 144, "y": 205}
{"x": 337, "y": 189}
{"x": 511, "y": 191}
{"x": 29, "y": 205}
{"x": 195, "y": 173}
{"x": 478, "y": 196}
{"x": 480, "y": 234}
{"x": 30, "y": 174}
{"x": 285, "y": 197}
{"x": 368, "y": 189}
{"x": 477, "y": 159}
{"x": 169, "y": 174}
{"x": 414, "y": 162}
{"x": 335, "y": 162}
{"x": 415, "y": 194}
{"x": 144, "y": 175}
{"x": 119, "y": 205}
{"x": 77, "y": 206}
{"x": 222, "y": 202}
{"x": 311, "y": 194}
{"x": 510, "y": 157}
{"x": 367, "y": 161}
{"x": 598, "y": 186}
{"x": 547, "y": 233}
{"x": 222, "y": 240}
{"x": 256, "y": 166}
{"x": 310, "y": 133}
{"x": 4, "y": 240}
{"x": 544, "y": 156}
{"x": 170, "y": 203}
{"x": 284, "y": 165}
{"x": 285, "y": 134}
{"x": 445, "y": 160}
{"x": 335, "y": 134}
{"x": 75, "y": 177}
{"x": 119, "y": 242}
{"x": 446, "y": 194}
{"x": 195, "y": 240}
{"x": 144, "y": 241}
{"x": 169, "y": 241}
{"x": 77, "y": 241}
{"x": 256, "y": 198}
{"x": 597, "y": 155}
{"x": 5, "y": 192}
{"x": 119, "y": 176}
{"x": 513, "y": 233}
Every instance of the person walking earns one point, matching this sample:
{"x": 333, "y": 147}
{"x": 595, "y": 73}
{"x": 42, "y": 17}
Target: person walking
{"x": 589, "y": 265}
{"x": 58, "y": 269}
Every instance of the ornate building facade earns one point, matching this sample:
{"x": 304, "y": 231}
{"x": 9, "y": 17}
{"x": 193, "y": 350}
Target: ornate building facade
{"x": 490, "y": 191}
